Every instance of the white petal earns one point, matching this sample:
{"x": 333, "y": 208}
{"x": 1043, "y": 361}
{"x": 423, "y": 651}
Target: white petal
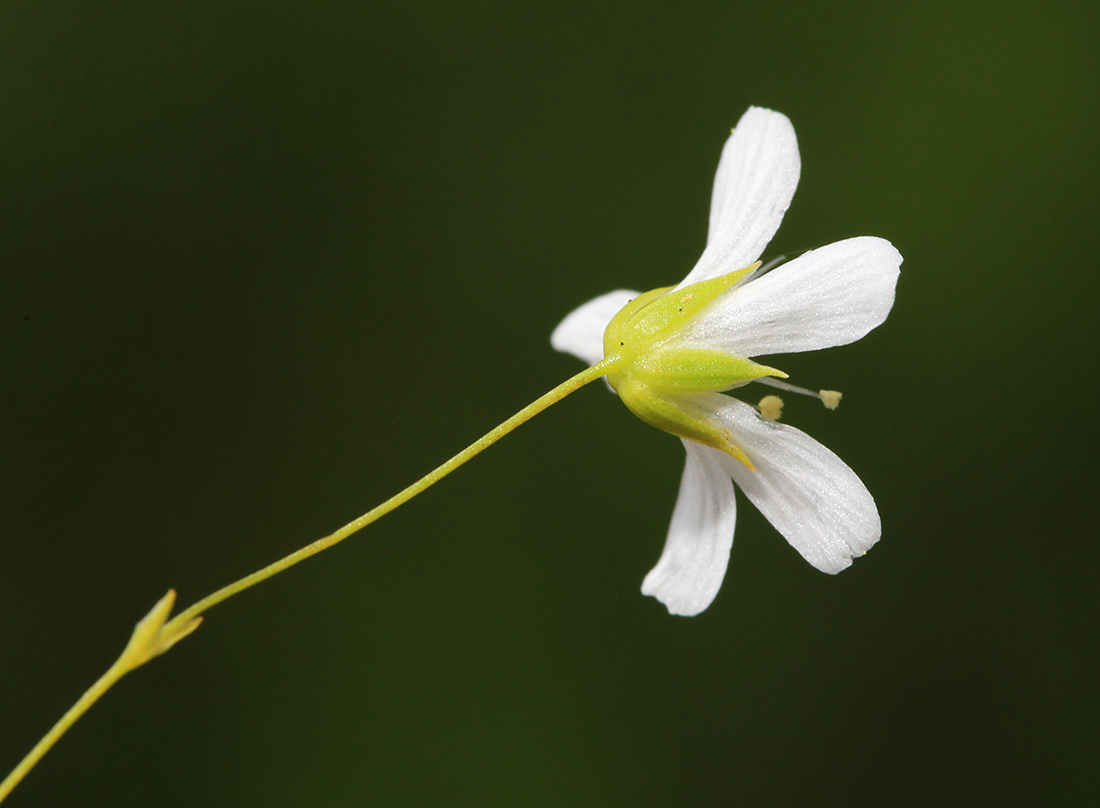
{"x": 581, "y": 332}
{"x": 697, "y": 550}
{"x": 753, "y": 188}
{"x": 808, "y": 493}
{"x": 830, "y": 296}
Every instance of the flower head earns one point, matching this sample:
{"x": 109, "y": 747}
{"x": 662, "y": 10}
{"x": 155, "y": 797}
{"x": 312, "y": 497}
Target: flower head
{"x": 676, "y": 351}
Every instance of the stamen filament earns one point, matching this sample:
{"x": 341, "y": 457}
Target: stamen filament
{"x": 830, "y": 398}
{"x": 790, "y": 388}
{"x": 766, "y": 268}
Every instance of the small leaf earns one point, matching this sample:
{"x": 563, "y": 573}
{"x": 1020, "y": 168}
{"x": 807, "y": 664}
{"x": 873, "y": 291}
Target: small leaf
{"x": 150, "y": 638}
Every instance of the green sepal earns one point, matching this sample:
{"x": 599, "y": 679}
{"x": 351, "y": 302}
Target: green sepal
{"x": 616, "y": 333}
{"x": 659, "y": 314}
{"x": 685, "y": 369}
{"x": 681, "y": 416}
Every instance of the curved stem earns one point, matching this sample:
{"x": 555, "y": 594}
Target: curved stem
{"x": 429, "y": 479}
{"x": 154, "y": 636}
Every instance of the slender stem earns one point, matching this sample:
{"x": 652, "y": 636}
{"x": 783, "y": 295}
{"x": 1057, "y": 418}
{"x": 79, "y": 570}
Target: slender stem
{"x": 184, "y": 622}
{"x": 113, "y": 674}
{"x": 432, "y": 477}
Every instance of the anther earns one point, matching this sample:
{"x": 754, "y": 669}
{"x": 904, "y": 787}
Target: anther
{"x": 771, "y": 407}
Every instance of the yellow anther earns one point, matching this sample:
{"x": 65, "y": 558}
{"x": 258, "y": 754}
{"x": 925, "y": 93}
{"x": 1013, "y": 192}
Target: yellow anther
{"x": 771, "y": 407}
{"x": 830, "y": 398}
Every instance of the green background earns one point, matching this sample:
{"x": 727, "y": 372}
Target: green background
{"x": 262, "y": 265}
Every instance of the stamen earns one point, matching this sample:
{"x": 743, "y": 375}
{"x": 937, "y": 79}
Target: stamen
{"x": 830, "y": 398}
{"x": 771, "y": 407}
{"x": 761, "y": 270}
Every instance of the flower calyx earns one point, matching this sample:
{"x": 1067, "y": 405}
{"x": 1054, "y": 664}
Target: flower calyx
{"x": 662, "y": 377}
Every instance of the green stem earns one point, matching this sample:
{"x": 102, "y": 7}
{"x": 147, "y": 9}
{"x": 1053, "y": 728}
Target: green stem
{"x": 114, "y": 673}
{"x": 183, "y": 623}
{"x": 429, "y": 479}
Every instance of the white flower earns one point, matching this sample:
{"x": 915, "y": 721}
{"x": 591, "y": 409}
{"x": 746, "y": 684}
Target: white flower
{"x": 678, "y": 349}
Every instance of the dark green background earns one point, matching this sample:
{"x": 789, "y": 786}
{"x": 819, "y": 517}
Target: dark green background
{"x": 262, "y": 265}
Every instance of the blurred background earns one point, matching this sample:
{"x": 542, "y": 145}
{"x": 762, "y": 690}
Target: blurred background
{"x": 264, "y": 264}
